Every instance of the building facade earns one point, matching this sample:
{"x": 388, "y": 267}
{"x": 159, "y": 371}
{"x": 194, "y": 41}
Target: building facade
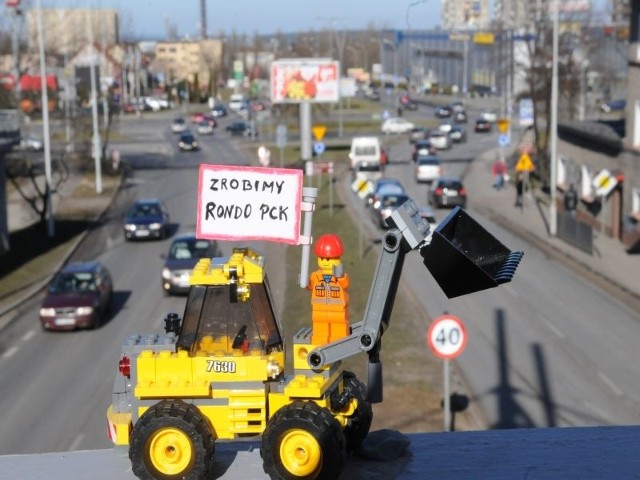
{"x": 188, "y": 60}
{"x": 69, "y": 30}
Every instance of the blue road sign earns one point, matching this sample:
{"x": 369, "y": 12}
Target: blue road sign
{"x": 503, "y": 140}
{"x": 318, "y": 148}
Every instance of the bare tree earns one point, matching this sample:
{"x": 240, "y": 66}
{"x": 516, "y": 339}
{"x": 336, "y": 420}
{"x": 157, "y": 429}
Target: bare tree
{"x": 26, "y": 174}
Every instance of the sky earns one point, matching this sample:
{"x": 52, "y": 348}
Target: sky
{"x": 148, "y": 18}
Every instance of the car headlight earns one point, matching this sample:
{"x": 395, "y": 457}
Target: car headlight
{"x": 181, "y": 145}
{"x": 155, "y": 226}
{"x": 130, "y": 227}
{"x": 47, "y": 312}
{"x": 84, "y": 310}
{"x": 166, "y": 273}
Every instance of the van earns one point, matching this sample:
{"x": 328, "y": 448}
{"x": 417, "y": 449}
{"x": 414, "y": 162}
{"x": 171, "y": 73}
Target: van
{"x": 365, "y": 149}
{"x": 236, "y": 102}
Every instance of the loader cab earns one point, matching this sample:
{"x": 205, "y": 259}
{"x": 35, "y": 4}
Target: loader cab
{"x": 229, "y": 310}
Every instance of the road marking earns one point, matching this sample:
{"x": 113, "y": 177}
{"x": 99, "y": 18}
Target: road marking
{"x": 553, "y": 328}
{"x": 29, "y": 335}
{"x": 76, "y": 443}
{"x": 610, "y": 383}
{"x": 10, "y": 353}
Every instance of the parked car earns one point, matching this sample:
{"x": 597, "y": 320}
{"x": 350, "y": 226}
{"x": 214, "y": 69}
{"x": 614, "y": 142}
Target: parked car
{"x": 146, "y": 218}
{"x": 483, "y": 126}
{"x": 178, "y": 125}
{"x": 383, "y": 207}
{"x": 205, "y": 128}
{"x": 184, "y": 252}
{"x": 457, "y": 134}
{"x": 428, "y": 168}
{"x": 396, "y": 125}
{"x": 78, "y": 296}
{"x": 423, "y": 147}
{"x": 188, "y": 142}
{"x": 31, "y": 144}
{"x": 368, "y": 171}
{"x": 418, "y": 133}
{"x": 443, "y": 111}
{"x": 613, "y": 105}
{"x": 440, "y": 139}
{"x": 384, "y": 186}
{"x": 219, "y": 111}
{"x": 447, "y": 191}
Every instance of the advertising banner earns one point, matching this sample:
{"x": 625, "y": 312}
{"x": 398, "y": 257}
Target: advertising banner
{"x": 305, "y": 80}
{"x": 249, "y": 203}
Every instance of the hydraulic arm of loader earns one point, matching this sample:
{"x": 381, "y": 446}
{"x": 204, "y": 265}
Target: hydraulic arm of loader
{"x": 467, "y": 259}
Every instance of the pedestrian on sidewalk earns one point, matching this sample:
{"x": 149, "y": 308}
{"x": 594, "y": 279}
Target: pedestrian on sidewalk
{"x": 519, "y": 188}
{"x": 498, "y": 170}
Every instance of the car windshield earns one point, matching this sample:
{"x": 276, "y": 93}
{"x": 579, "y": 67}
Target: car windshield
{"x": 73, "y": 283}
{"x": 453, "y": 184}
{"x": 428, "y": 161}
{"x": 393, "y": 200}
{"x": 144, "y": 210}
{"x": 191, "y": 248}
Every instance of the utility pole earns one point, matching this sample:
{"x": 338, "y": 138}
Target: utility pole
{"x": 97, "y": 151}
{"x": 45, "y": 124}
{"x": 553, "y": 143}
{"x": 15, "y": 43}
{"x": 203, "y": 19}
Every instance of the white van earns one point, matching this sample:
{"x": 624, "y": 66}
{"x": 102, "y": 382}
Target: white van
{"x": 365, "y": 150}
{"x": 236, "y": 102}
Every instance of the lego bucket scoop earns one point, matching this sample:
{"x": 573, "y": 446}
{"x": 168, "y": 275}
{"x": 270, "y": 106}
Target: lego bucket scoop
{"x": 464, "y": 258}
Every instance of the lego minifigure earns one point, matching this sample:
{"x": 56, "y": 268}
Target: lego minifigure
{"x": 329, "y": 297}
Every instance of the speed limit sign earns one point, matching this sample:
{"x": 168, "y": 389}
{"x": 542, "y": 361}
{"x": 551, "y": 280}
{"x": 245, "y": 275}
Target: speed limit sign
{"x": 447, "y": 336}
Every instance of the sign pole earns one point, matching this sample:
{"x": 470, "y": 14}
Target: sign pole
{"x": 447, "y": 338}
{"x": 447, "y": 396}
{"x": 330, "y": 188}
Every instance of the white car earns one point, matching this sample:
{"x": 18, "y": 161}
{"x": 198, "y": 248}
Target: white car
{"x": 397, "y": 125}
{"x": 440, "y": 139}
{"x": 178, "y": 125}
{"x": 31, "y": 143}
{"x": 428, "y": 168}
{"x": 489, "y": 115}
{"x": 205, "y": 128}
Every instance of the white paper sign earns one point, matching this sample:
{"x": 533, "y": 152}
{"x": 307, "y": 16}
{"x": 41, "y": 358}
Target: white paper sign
{"x": 249, "y": 203}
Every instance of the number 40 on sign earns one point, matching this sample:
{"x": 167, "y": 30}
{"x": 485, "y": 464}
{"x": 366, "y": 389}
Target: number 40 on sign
{"x": 447, "y": 336}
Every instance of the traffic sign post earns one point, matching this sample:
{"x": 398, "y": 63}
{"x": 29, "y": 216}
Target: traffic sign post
{"x": 281, "y": 141}
{"x": 447, "y": 338}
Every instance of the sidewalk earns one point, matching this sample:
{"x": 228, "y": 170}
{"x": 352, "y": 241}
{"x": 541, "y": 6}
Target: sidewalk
{"x": 610, "y": 266}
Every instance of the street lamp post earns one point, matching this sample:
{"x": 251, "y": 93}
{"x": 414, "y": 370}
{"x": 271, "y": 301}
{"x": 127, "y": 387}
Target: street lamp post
{"x": 553, "y": 143}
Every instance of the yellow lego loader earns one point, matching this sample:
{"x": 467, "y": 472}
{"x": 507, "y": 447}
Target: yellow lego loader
{"x": 218, "y": 373}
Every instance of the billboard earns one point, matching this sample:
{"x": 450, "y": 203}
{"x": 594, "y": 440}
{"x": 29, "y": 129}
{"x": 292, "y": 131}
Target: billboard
{"x": 305, "y": 80}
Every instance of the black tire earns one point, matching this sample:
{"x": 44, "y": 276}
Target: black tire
{"x": 313, "y": 437}
{"x": 360, "y": 422}
{"x": 180, "y": 437}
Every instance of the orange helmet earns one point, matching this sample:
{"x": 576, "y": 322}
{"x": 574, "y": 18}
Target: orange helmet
{"x": 329, "y": 246}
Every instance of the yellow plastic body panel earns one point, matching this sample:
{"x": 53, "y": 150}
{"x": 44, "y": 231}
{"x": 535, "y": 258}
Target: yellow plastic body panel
{"x": 246, "y": 264}
{"x": 119, "y": 425}
{"x": 168, "y": 374}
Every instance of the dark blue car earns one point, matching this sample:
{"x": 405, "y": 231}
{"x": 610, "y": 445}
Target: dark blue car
{"x": 148, "y": 218}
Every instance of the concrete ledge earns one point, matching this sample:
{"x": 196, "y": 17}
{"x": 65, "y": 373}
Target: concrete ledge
{"x": 588, "y": 453}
